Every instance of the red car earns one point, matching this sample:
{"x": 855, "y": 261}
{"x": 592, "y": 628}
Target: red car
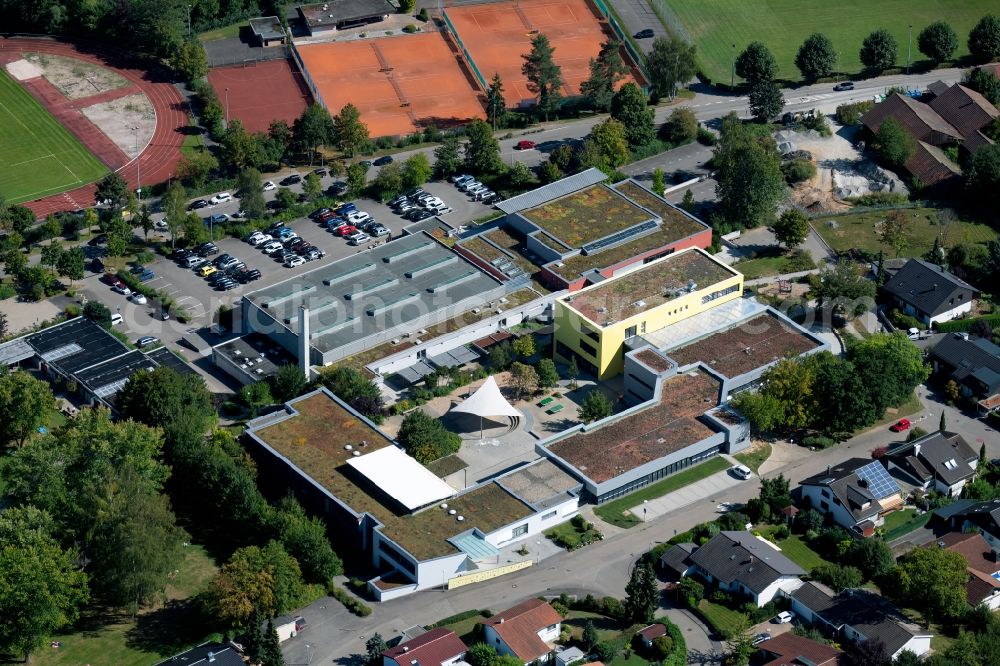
{"x": 345, "y": 230}
{"x": 525, "y": 145}
{"x": 900, "y": 425}
{"x": 113, "y": 280}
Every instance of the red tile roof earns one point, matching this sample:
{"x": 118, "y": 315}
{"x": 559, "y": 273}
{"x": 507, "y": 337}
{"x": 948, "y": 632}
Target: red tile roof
{"x": 964, "y": 109}
{"x": 975, "y": 141}
{"x": 932, "y": 166}
{"x": 653, "y": 631}
{"x": 919, "y": 119}
{"x": 789, "y": 649}
{"x": 978, "y": 559}
{"x": 518, "y": 627}
{"x": 431, "y": 649}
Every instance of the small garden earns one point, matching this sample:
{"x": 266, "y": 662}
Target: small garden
{"x": 775, "y": 261}
{"x": 574, "y": 534}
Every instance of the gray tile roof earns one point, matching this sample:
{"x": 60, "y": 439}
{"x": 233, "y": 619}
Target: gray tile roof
{"x": 740, "y": 556}
{"x": 852, "y": 482}
{"x": 546, "y": 193}
{"x": 943, "y": 455}
{"x": 871, "y": 615}
{"x": 677, "y": 558}
{"x": 967, "y": 357}
{"x": 929, "y": 288}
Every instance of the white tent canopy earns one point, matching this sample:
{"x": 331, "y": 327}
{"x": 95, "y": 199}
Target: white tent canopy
{"x": 487, "y": 401}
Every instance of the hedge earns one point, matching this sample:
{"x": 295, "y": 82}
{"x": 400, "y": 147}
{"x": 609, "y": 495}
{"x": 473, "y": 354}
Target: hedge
{"x": 966, "y": 324}
{"x": 458, "y": 617}
{"x": 678, "y": 656}
{"x": 356, "y": 606}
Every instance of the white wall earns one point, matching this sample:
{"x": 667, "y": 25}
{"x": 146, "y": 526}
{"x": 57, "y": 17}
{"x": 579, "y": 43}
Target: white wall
{"x": 547, "y": 636}
{"x": 918, "y": 645}
{"x": 964, "y": 308}
{"x": 786, "y": 584}
{"x": 840, "y": 514}
{"x": 536, "y": 524}
{"x": 432, "y": 573}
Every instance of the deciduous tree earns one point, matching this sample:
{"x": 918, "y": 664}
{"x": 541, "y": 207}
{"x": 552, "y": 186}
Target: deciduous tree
{"x": 984, "y": 39}
{"x": 816, "y": 57}
{"x": 447, "y": 160}
{"x": 766, "y": 100}
{"x": 982, "y": 176}
{"x": 240, "y": 149}
{"x": 288, "y": 382}
{"x": 791, "y": 228}
{"x": 113, "y": 189}
{"x": 749, "y": 175}
{"x": 671, "y": 62}
{"x": 681, "y": 127}
{"x": 355, "y": 389}
{"x": 878, "y": 50}
{"x": 629, "y": 107}
{"x": 312, "y": 188}
{"x": 25, "y": 404}
{"x": 595, "y": 407}
{"x": 756, "y": 63}
{"x": 268, "y": 579}
{"x": 894, "y": 231}
{"x": 524, "y": 379}
{"x": 250, "y": 192}
{"x": 416, "y": 170}
{"x": 482, "y": 152}
{"x": 606, "y": 147}
{"x": 933, "y": 580}
{"x": 938, "y": 41}
{"x": 180, "y": 404}
{"x": 844, "y": 287}
{"x": 305, "y": 539}
{"x": 894, "y": 143}
{"x": 190, "y": 60}
{"x": 315, "y": 128}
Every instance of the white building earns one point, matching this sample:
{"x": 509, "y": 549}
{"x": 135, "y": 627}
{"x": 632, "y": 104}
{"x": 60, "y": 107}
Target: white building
{"x": 527, "y": 631}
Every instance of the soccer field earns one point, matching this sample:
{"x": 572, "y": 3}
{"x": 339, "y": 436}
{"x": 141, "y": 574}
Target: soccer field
{"x": 38, "y": 156}
{"x": 715, "y": 25}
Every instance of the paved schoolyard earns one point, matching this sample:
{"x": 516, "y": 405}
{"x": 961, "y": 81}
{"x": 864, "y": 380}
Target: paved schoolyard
{"x": 716, "y": 488}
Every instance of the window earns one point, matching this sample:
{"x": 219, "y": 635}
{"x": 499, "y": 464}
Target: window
{"x": 550, "y": 514}
{"x": 642, "y": 327}
{"x": 631, "y": 332}
{"x": 719, "y": 294}
{"x": 589, "y": 348}
{"x": 520, "y": 530}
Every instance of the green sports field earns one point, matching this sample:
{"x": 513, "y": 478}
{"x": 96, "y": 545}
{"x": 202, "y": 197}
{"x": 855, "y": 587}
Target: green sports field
{"x": 715, "y": 25}
{"x": 38, "y": 156}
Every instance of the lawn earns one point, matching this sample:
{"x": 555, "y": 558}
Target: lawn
{"x": 756, "y": 456}
{"x": 465, "y": 627}
{"x": 901, "y": 523}
{"x": 775, "y": 265}
{"x": 715, "y": 27}
{"x": 616, "y": 511}
{"x": 908, "y": 408}
{"x": 225, "y": 32}
{"x": 857, "y": 231}
{"x": 101, "y": 638}
{"x": 40, "y": 156}
{"x": 722, "y": 620}
{"x": 797, "y": 551}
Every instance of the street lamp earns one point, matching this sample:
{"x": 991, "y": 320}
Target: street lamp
{"x": 644, "y": 503}
{"x": 138, "y": 172}
{"x": 909, "y": 41}
{"x": 732, "y": 81}
{"x": 189, "y": 21}
{"x": 227, "y": 108}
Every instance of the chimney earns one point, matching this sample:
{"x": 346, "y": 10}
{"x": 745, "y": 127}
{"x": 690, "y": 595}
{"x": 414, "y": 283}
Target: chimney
{"x": 916, "y": 449}
{"x": 501, "y": 620}
{"x": 211, "y": 657}
{"x": 934, "y": 288}
{"x": 304, "y": 360}
{"x": 406, "y": 648}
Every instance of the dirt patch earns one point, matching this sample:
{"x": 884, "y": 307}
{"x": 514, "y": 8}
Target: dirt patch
{"x": 76, "y": 79}
{"x": 22, "y": 70}
{"x": 118, "y": 118}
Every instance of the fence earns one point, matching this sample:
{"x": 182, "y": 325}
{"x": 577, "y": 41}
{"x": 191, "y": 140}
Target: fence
{"x": 307, "y": 77}
{"x": 465, "y": 51}
{"x": 625, "y": 37}
{"x": 669, "y": 19}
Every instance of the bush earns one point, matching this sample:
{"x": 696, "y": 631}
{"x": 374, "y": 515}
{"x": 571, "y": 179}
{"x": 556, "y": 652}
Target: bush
{"x": 796, "y": 171}
{"x": 459, "y": 617}
{"x": 706, "y": 137}
{"x": 880, "y": 199}
{"x": 423, "y": 15}
{"x": 781, "y": 532}
{"x": 352, "y": 604}
{"x": 850, "y": 114}
{"x": 915, "y": 433}
{"x": 992, "y": 321}
{"x": 818, "y": 442}
{"x": 612, "y": 607}
{"x": 606, "y": 651}
{"x": 410, "y": 28}
{"x": 904, "y": 321}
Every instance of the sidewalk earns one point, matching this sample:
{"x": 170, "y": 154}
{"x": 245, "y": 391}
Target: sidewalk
{"x": 715, "y": 487}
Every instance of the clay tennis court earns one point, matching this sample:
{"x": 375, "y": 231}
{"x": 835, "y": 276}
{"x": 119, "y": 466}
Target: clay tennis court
{"x": 498, "y": 34}
{"x": 400, "y": 84}
{"x": 261, "y": 92}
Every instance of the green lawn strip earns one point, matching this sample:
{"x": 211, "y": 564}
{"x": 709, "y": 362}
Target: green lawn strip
{"x": 225, "y": 32}
{"x": 911, "y": 406}
{"x": 901, "y": 523}
{"x": 191, "y": 145}
{"x": 607, "y": 629}
{"x": 797, "y": 551}
{"x": 856, "y": 230}
{"x": 615, "y": 511}
{"x": 755, "y": 457}
{"x": 464, "y": 628}
{"x": 782, "y": 25}
{"x": 39, "y": 156}
{"x": 767, "y": 266}
{"x": 722, "y": 620}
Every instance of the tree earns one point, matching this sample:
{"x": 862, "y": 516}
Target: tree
{"x": 739, "y": 645}
{"x": 312, "y": 188}
{"x": 764, "y": 411}
{"x": 869, "y": 652}
{"x": 590, "y": 637}
{"x": 942, "y": 423}
{"x": 791, "y": 228}
{"x": 357, "y": 177}
{"x": 496, "y": 105}
{"x": 482, "y": 152}
{"x": 524, "y": 379}
{"x": 893, "y": 143}
{"x": 641, "y": 594}
{"x": 756, "y": 64}
{"x": 936, "y": 254}
{"x": 984, "y": 39}
{"x": 690, "y": 591}
{"x": 190, "y": 60}
{"x": 749, "y": 175}
{"x": 349, "y": 133}
{"x": 520, "y": 174}
{"x": 389, "y": 182}
{"x": 288, "y": 382}
{"x": 41, "y": 586}
{"x": 524, "y": 346}
{"x": 305, "y": 539}
{"x": 416, "y": 170}
{"x": 933, "y": 580}
{"x": 98, "y": 313}
{"x": 938, "y": 42}
{"x": 265, "y": 578}
{"x": 687, "y": 203}
{"x": 355, "y": 389}
{"x": 374, "y": 647}
{"x": 845, "y": 287}
{"x": 180, "y": 404}
{"x": 250, "y": 193}
{"x": 845, "y": 406}
{"x": 573, "y": 373}
{"x": 253, "y": 637}
{"x": 982, "y": 177}
{"x": 256, "y": 396}
{"x": 894, "y": 231}
{"x": 134, "y": 542}
{"x": 447, "y": 160}
{"x": 878, "y": 50}
{"x": 629, "y": 107}
{"x": 543, "y": 74}
{"x": 816, "y": 57}
{"x": 25, "y": 403}
{"x": 173, "y": 203}
{"x": 766, "y": 100}
{"x": 606, "y": 70}
{"x": 407, "y": 6}
{"x": 659, "y": 181}
{"x": 481, "y": 654}
{"x": 837, "y": 576}
{"x": 606, "y": 147}
{"x": 890, "y": 367}
{"x": 595, "y": 407}
{"x": 51, "y": 255}
{"x": 240, "y": 149}
{"x": 270, "y": 652}
{"x": 114, "y": 190}
{"x": 681, "y": 127}
{"x": 17, "y": 218}
{"x": 195, "y": 167}
{"x": 425, "y": 438}
{"x": 985, "y": 82}
{"x": 315, "y": 128}
{"x": 671, "y": 61}
{"x": 548, "y": 172}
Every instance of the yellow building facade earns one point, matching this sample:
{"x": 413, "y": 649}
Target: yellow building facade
{"x": 593, "y": 324}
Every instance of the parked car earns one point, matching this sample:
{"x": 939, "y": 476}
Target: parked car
{"x": 221, "y": 197}
{"x": 161, "y": 225}
{"x": 345, "y": 229}
{"x": 248, "y": 276}
{"x": 291, "y": 240}
{"x": 146, "y": 340}
{"x": 198, "y": 204}
{"x": 112, "y": 279}
{"x": 346, "y": 208}
{"x": 121, "y": 289}
{"x": 645, "y": 33}
{"x": 181, "y": 254}
{"x": 146, "y": 275}
{"x": 319, "y": 212}
{"x": 335, "y": 223}
{"x": 229, "y": 263}
{"x": 195, "y": 262}
{"x": 417, "y": 214}
{"x": 784, "y": 617}
{"x": 137, "y": 298}
{"x": 900, "y": 425}
{"x": 358, "y": 216}
{"x": 269, "y": 185}
{"x": 378, "y": 230}
{"x": 226, "y": 286}
{"x": 844, "y": 85}
{"x": 358, "y": 237}
{"x": 382, "y": 161}
{"x": 206, "y": 270}
{"x": 294, "y": 261}
{"x": 284, "y": 232}
{"x": 300, "y": 246}
{"x": 321, "y": 172}
{"x": 524, "y": 144}
{"x": 291, "y": 180}
{"x": 116, "y": 319}
{"x": 219, "y": 218}
{"x": 468, "y": 185}
{"x": 262, "y": 239}
{"x": 207, "y": 250}
{"x": 761, "y": 637}
{"x": 314, "y": 253}
{"x": 741, "y": 472}
{"x": 272, "y": 247}
{"x": 222, "y": 258}
{"x": 461, "y": 180}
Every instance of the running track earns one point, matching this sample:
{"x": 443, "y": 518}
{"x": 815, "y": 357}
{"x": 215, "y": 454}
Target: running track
{"x": 158, "y": 160}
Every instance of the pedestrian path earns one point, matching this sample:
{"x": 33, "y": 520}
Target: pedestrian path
{"x": 716, "y": 487}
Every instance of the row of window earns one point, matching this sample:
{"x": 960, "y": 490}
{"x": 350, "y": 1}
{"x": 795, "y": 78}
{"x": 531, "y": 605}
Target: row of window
{"x": 659, "y": 474}
{"x": 719, "y": 294}
{"x": 391, "y": 553}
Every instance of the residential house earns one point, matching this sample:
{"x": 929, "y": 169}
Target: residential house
{"x": 217, "y": 654}
{"x": 528, "y": 631}
{"x": 649, "y": 634}
{"x": 941, "y": 461}
{"x": 676, "y": 561}
{"x": 571, "y": 655}
{"x": 974, "y": 364}
{"x": 790, "y": 650}
{"x": 929, "y": 292}
{"x": 858, "y": 615}
{"x": 982, "y": 517}
{"x": 857, "y": 493}
{"x": 745, "y": 564}
{"x": 437, "y": 647}
{"x": 984, "y": 570}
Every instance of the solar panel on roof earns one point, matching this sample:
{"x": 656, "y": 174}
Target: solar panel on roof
{"x": 880, "y": 484}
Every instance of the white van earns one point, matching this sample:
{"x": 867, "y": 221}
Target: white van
{"x": 116, "y": 319}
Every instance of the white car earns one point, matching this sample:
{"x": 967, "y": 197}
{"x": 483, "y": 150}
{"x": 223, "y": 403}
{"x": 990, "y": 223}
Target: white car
{"x": 161, "y": 225}
{"x": 358, "y": 237}
{"x": 741, "y": 472}
{"x": 358, "y": 216}
{"x": 784, "y": 617}
{"x": 262, "y": 240}
{"x": 122, "y": 289}
{"x": 292, "y": 262}
{"x": 221, "y": 197}
{"x": 468, "y": 185}
{"x": 272, "y": 247}
{"x": 138, "y": 298}
{"x": 268, "y": 186}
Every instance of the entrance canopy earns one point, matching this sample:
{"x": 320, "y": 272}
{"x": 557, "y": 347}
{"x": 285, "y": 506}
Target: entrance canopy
{"x": 487, "y": 401}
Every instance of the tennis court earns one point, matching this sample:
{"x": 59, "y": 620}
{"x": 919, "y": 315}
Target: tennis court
{"x": 261, "y": 92}
{"x": 400, "y": 84}
{"x": 498, "y": 34}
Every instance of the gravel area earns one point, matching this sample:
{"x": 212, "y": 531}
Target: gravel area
{"x": 117, "y": 117}
{"x": 74, "y": 78}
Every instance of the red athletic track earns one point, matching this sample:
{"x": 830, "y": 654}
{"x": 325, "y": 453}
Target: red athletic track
{"x": 159, "y": 159}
